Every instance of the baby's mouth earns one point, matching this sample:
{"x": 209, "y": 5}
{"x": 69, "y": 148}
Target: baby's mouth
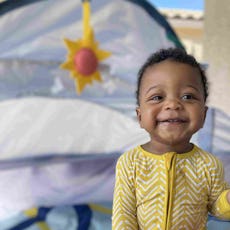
{"x": 172, "y": 121}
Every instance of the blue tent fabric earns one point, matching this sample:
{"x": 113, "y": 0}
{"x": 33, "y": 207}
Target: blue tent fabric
{"x": 80, "y": 217}
{"x": 9, "y": 5}
{"x": 214, "y": 137}
{"x": 42, "y": 212}
{"x": 14, "y": 4}
{"x": 160, "y": 19}
{"x": 31, "y": 62}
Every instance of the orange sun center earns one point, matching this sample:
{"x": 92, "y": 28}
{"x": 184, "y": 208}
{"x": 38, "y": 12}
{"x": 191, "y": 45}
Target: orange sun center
{"x": 85, "y": 61}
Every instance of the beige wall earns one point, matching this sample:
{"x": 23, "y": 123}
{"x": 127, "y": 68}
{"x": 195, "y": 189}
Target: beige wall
{"x": 191, "y": 34}
{"x": 216, "y": 51}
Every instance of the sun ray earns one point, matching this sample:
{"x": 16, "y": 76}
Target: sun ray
{"x": 97, "y": 77}
{"x": 73, "y": 46}
{"x": 102, "y": 54}
{"x": 82, "y": 82}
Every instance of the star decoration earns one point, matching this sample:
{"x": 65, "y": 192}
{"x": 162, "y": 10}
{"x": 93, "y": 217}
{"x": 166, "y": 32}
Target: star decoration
{"x": 84, "y": 55}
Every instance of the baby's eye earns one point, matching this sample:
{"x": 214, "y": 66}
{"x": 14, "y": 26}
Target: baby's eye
{"x": 157, "y": 98}
{"x": 187, "y": 97}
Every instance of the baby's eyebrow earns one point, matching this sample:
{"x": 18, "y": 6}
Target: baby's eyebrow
{"x": 152, "y": 87}
{"x": 194, "y": 87}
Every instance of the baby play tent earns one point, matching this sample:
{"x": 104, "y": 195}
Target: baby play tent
{"x": 58, "y": 147}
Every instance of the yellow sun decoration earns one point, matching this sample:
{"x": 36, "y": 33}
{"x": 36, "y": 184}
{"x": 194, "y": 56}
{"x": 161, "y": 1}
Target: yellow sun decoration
{"x": 84, "y": 55}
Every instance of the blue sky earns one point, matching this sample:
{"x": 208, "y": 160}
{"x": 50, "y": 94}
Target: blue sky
{"x": 180, "y": 4}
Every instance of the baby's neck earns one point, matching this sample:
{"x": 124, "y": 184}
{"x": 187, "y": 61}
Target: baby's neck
{"x": 162, "y": 148}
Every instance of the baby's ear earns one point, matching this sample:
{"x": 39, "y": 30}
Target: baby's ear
{"x": 205, "y": 113}
{"x": 138, "y": 112}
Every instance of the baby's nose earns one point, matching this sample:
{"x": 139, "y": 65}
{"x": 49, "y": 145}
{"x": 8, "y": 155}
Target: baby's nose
{"x": 173, "y": 104}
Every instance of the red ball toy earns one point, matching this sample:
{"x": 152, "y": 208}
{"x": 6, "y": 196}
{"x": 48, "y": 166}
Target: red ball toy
{"x": 85, "y": 61}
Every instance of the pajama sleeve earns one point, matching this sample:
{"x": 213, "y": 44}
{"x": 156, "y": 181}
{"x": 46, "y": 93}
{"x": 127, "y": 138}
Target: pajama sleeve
{"x": 124, "y": 200}
{"x": 218, "y": 203}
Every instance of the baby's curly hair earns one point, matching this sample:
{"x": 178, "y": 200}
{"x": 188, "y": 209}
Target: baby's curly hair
{"x": 173, "y": 54}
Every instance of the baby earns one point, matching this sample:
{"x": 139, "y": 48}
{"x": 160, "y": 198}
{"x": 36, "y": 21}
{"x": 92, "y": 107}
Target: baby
{"x": 169, "y": 183}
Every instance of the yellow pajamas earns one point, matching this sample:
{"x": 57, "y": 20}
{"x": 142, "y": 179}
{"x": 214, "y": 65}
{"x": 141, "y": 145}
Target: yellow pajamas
{"x": 168, "y": 192}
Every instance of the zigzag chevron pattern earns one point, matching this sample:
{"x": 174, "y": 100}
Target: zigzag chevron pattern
{"x": 147, "y": 197}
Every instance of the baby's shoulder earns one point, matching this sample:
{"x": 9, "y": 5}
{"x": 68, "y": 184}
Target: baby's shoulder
{"x": 207, "y": 158}
{"x": 131, "y": 155}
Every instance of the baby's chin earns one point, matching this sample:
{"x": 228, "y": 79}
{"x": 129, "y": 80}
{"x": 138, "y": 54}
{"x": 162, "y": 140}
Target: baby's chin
{"x": 172, "y": 139}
